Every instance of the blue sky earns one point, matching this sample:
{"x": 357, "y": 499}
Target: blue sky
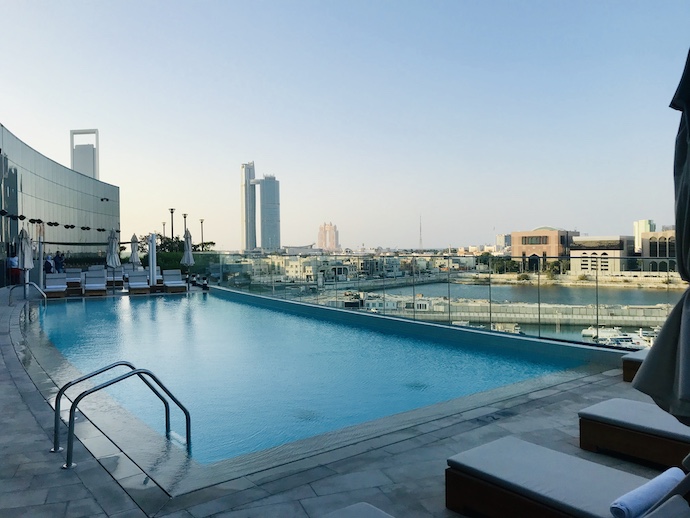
{"x": 479, "y": 117}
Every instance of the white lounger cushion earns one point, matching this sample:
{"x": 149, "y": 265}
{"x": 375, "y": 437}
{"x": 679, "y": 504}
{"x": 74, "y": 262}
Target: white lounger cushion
{"x": 576, "y": 486}
{"x": 56, "y": 282}
{"x": 636, "y": 415}
{"x": 637, "y": 356}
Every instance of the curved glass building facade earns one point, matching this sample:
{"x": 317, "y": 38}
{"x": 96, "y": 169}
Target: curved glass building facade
{"x": 70, "y": 211}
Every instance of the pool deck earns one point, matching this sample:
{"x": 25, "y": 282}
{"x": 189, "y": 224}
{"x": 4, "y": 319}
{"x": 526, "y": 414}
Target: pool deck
{"x": 401, "y": 472}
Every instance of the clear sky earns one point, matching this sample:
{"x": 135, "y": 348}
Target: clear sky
{"x": 477, "y": 117}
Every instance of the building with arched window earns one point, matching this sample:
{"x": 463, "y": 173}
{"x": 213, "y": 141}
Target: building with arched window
{"x": 659, "y": 251}
{"x": 602, "y": 255}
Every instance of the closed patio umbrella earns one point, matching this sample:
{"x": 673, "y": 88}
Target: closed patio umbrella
{"x": 665, "y": 373}
{"x": 134, "y": 258}
{"x": 187, "y": 257}
{"x": 112, "y": 257}
{"x": 26, "y": 258}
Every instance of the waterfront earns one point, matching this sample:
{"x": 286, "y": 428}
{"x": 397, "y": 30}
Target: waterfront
{"x": 553, "y": 311}
{"x": 550, "y": 294}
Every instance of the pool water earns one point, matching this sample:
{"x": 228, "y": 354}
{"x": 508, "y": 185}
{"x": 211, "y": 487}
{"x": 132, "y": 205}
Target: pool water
{"x": 254, "y": 378}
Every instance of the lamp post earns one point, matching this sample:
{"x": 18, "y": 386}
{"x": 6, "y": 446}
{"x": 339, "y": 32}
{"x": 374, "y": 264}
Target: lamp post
{"x": 202, "y": 234}
{"x": 184, "y": 217}
{"x": 164, "y": 229}
{"x": 172, "y": 224}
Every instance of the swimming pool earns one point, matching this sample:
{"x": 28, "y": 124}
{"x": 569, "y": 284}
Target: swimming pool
{"x": 254, "y": 378}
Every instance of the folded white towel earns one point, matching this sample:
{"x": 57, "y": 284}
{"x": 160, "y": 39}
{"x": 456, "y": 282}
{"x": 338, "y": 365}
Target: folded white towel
{"x": 640, "y": 500}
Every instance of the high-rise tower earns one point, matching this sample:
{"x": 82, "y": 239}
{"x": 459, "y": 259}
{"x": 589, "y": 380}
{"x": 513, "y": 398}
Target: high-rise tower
{"x": 248, "y": 204}
{"x": 328, "y": 237}
{"x": 270, "y": 212}
{"x": 269, "y": 205}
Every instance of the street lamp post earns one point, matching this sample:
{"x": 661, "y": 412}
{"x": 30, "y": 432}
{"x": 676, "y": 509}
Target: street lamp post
{"x": 184, "y": 217}
{"x": 172, "y": 225}
{"x": 202, "y": 234}
{"x": 164, "y": 229}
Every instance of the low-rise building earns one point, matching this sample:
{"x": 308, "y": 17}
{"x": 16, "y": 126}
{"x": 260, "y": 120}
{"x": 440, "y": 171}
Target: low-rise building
{"x": 659, "y": 251}
{"x": 544, "y": 244}
{"x": 602, "y": 254}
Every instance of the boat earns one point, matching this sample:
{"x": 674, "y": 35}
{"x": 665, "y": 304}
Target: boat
{"x": 616, "y": 337}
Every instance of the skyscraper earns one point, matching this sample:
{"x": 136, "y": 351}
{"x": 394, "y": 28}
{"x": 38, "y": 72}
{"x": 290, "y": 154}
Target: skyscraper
{"x": 269, "y": 205}
{"x": 248, "y": 204}
{"x": 328, "y": 237}
{"x": 270, "y": 212}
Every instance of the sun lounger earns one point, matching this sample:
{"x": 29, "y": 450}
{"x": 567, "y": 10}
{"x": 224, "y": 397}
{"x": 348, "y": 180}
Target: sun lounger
{"x": 115, "y": 277}
{"x": 633, "y": 428}
{"x": 94, "y": 282}
{"x": 632, "y": 362}
{"x": 56, "y": 285}
{"x": 96, "y": 267}
{"x": 674, "y": 507}
{"x": 172, "y": 280}
{"x": 138, "y": 282}
{"x": 74, "y": 281}
{"x": 511, "y": 477}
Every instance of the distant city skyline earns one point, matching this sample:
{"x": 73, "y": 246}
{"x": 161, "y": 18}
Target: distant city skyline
{"x": 480, "y": 118}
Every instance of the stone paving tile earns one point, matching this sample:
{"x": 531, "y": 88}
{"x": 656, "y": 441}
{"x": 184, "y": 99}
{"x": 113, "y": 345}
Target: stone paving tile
{"x": 418, "y": 470}
{"x": 226, "y": 502}
{"x": 67, "y": 492}
{"x": 321, "y": 505}
{"x": 373, "y": 459}
{"x": 30, "y": 497}
{"x": 294, "y": 494}
{"x": 350, "y": 482}
{"x": 37, "y": 511}
{"x": 282, "y": 510}
{"x": 79, "y": 507}
{"x": 298, "y": 479}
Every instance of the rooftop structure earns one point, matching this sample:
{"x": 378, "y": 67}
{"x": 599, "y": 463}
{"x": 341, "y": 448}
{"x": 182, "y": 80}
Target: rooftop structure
{"x": 84, "y": 157}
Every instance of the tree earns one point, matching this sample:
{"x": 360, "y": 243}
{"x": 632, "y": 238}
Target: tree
{"x": 206, "y": 246}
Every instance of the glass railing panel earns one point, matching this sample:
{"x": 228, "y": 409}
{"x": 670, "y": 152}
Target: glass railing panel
{"x": 507, "y": 294}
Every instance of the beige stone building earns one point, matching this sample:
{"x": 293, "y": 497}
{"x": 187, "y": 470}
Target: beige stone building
{"x": 659, "y": 251}
{"x": 541, "y": 245}
{"x": 602, "y": 254}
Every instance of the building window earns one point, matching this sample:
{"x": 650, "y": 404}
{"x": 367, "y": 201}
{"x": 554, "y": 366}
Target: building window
{"x": 653, "y": 248}
{"x": 535, "y": 240}
{"x": 671, "y": 247}
{"x": 663, "y": 249}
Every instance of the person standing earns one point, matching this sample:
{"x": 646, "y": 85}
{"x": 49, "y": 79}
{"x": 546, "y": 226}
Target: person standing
{"x": 48, "y": 264}
{"x": 59, "y": 262}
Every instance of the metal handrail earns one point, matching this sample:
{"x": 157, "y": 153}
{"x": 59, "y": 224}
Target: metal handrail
{"x": 134, "y": 372}
{"x": 56, "y": 428}
{"x": 9, "y": 297}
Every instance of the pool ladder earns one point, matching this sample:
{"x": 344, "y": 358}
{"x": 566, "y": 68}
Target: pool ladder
{"x": 143, "y": 374}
